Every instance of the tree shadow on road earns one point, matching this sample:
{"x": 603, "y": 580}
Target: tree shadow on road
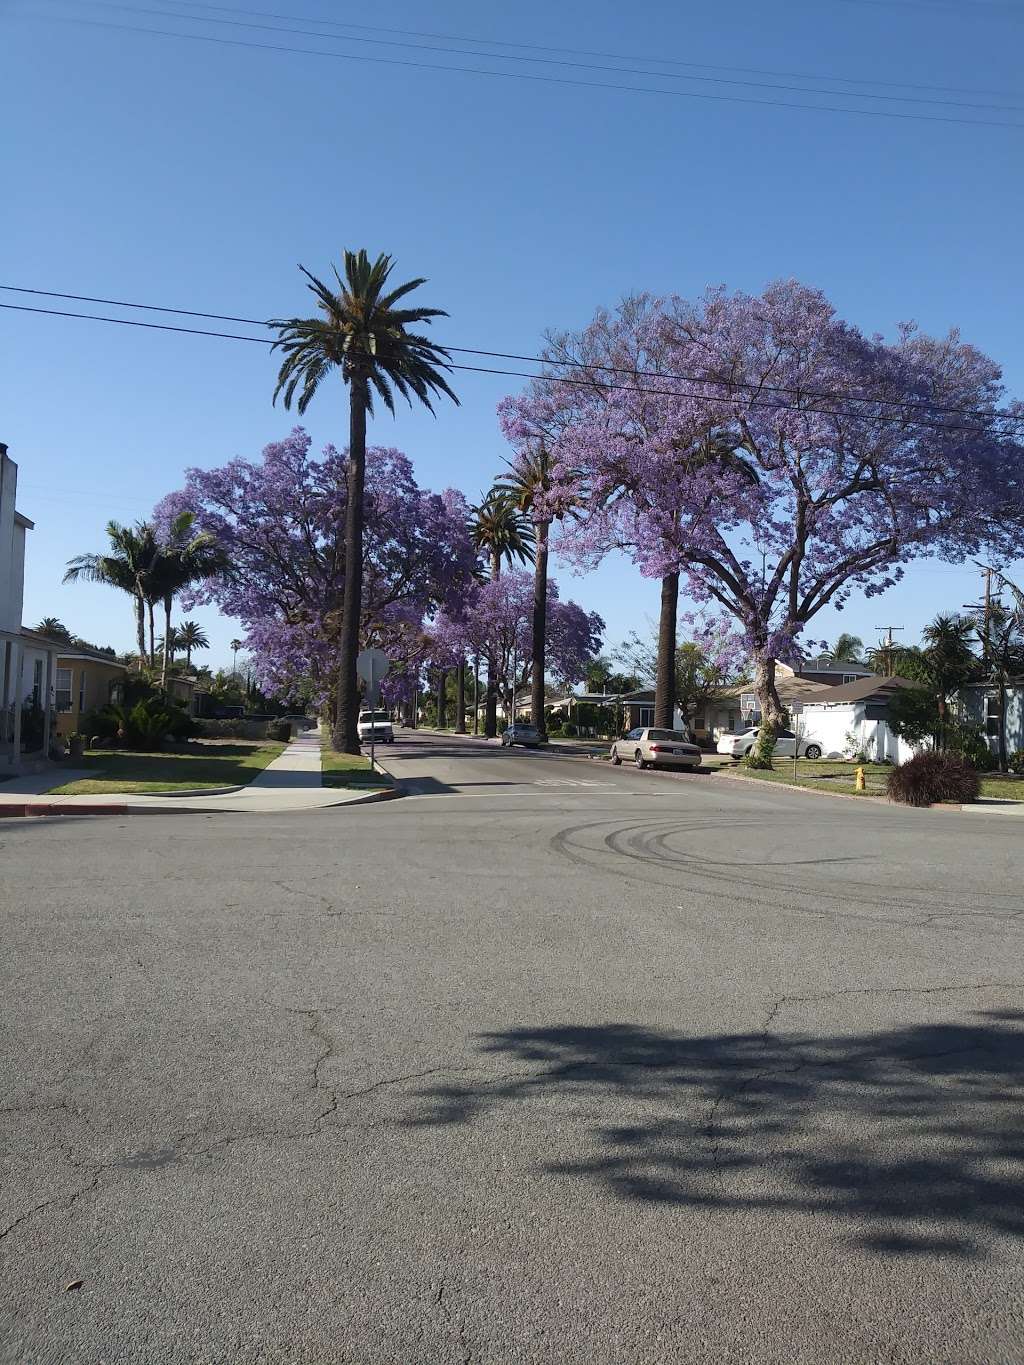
{"x": 908, "y": 1140}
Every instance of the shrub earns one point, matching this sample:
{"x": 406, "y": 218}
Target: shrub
{"x": 143, "y": 725}
{"x": 930, "y": 777}
{"x": 1015, "y": 762}
{"x": 232, "y": 727}
{"x": 279, "y": 729}
{"x": 570, "y": 729}
{"x": 972, "y": 744}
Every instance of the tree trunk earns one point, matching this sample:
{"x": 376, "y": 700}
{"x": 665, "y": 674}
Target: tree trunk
{"x": 665, "y": 686}
{"x": 152, "y": 637}
{"x": 491, "y": 705}
{"x": 346, "y": 733}
{"x": 140, "y": 629}
{"x": 771, "y": 711}
{"x": 540, "y": 606}
{"x": 442, "y": 699}
{"x": 165, "y": 661}
{"x": 460, "y": 698}
{"x": 1003, "y": 764}
{"x": 476, "y": 694}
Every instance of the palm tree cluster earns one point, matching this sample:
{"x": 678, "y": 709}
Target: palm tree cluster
{"x": 152, "y": 570}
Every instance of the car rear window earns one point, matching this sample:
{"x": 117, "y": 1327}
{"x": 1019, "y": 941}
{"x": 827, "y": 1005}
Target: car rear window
{"x": 676, "y": 735}
{"x": 368, "y": 716}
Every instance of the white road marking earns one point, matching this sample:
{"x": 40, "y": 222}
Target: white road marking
{"x": 567, "y": 782}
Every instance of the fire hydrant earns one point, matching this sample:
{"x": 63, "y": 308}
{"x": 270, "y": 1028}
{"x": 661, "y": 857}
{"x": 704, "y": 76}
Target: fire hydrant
{"x": 859, "y": 784}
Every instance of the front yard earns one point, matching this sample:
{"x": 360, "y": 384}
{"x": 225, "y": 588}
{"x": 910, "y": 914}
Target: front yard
{"x": 208, "y": 763}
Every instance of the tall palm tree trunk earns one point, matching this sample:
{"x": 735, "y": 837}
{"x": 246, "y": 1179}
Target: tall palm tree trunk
{"x": 140, "y": 628}
{"x": 491, "y": 705}
{"x": 346, "y": 734}
{"x": 460, "y": 698}
{"x": 152, "y": 634}
{"x": 665, "y": 684}
{"x": 442, "y": 699}
{"x": 540, "y": 605}
{"x": 165, "y": 662}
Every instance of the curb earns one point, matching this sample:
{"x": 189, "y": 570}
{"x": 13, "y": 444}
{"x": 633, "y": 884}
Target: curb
{"x": 40, "y": 808}
{"x": 807, "y": 791}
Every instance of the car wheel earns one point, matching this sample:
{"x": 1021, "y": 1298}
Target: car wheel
{"x": 812, "y": 751}
{"x": 638, "y": 759}
{"x": 616, "y": 760}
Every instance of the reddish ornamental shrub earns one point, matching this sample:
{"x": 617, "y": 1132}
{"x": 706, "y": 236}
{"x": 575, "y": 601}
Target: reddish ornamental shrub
{"x": 930, "y": 777}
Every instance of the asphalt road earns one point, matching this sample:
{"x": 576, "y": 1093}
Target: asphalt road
{"x": 547, "y": 1062}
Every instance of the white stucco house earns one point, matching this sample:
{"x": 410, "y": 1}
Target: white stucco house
{"x": 854, "y": 719}
{"x": 28, "y": 661}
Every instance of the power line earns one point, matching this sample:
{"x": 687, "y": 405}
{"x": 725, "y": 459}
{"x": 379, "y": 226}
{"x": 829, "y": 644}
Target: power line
{"x": 508, "y": 355}
{"x": 610, "y": 56}
{"x": 549, "y": 61}
{"x": 528, "y": 76}
{"x": 521, "y": 374}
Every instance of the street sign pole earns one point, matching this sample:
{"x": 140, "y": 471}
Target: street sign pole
{"x": 372, "y": 665}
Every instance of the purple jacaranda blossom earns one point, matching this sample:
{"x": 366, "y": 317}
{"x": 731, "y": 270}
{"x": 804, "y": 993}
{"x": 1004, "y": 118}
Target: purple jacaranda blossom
{"x": 279, "y": 519}
{"x": 495, "y": 622}
{"x": 772, "y": 454}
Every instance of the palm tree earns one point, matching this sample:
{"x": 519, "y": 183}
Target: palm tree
{"x": 950, "y": 659}
{"x": 185, "y": 557}
{"x": 847, "y": 647}
{"x": 528, "y": 485}
{"x": 191, "y": 636}
{"x": 500, "y": 530}
{"x": 173, "y": 642}
{"x": 236, "y": 645}
{"x": 54, "y": 629}
{"x": 366, "y": 338}
{"x": 129, "y": 566}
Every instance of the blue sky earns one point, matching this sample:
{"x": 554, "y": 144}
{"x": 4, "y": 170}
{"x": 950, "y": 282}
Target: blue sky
{"x": 197, "y": 174}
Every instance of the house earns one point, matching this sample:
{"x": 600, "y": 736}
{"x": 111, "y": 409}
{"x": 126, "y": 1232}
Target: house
{"x": 85, "y": 680}
{"x": 853, "y": 719}
{"x": 980, "y": 706}
{"x": 27, "y": 660}
{"x": 831, "y": 672}
{"x": 737, "y": 708}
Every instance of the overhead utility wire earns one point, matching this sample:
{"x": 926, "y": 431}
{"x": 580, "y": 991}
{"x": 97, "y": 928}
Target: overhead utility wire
{"x": 513, "y": 355}
{"x": 527, "y": 76}
{"x": 525, "y": 374}
{"x": 551, "y": 61}
{"x": 585, "y": 52}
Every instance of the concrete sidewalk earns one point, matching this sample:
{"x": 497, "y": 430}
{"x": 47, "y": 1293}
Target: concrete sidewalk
{"x": 292, "y": 782}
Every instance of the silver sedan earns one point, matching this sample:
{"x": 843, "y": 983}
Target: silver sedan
{"x": 649, "y": 748}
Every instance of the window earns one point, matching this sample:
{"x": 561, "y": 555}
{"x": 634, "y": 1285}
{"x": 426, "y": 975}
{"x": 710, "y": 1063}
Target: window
{"x": 81, "y": 693}
{"x": 635, "y": 734}
{"x": 992, "y": 717}
{"x": 63, "y": 689}
{"x": 645, "y": 715}
{"x": 37, "y": 683}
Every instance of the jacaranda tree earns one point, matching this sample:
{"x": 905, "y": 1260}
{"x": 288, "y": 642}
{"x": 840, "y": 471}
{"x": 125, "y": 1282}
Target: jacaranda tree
{"x": 841, "y": 457}
{"x": 276, "y": 520}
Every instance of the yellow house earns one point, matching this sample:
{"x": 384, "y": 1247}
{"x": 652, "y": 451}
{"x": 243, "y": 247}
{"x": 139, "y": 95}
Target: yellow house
{"x": 85, "y": 680}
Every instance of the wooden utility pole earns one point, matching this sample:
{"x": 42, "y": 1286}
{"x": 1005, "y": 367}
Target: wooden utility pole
{"x": 889, "y": 644}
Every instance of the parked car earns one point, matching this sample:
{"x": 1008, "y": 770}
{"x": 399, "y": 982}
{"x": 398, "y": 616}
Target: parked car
{"x": 738, "y": 746}
{"x": 375, "y": 725}
{"x": 526, "y": 735}
{"x": 649, "y": 748}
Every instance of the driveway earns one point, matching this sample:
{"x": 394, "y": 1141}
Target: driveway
{"x": 548, "y": 1062}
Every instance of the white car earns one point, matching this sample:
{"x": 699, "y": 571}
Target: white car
{"x": 375, "y": 725}
{"x": 738, "y": 746}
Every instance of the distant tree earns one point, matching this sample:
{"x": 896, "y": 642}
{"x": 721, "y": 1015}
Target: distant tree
{"x": 849, "y": 648}
{"x": 191, "y": 636}
{"x": 129, "y": 565}
{"x": 53, "y": 629}
{"x": 601, "y": 676}
{"x": 501, "y": 531}
{"x": 363, "y": 335}
{"x": 236, "y": 645}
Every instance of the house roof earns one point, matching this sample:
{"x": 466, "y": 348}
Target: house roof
{"x": 90, "y": 655}
{"x": 39, "y": 641}
{"x": 789, "y": 688}
{"x": 864, "y": 688}
{"x": 20, "y": 519}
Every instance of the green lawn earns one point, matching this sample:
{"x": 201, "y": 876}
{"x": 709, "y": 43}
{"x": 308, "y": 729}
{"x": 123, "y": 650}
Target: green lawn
{"x": 830, "y": 776}
{"x": 213, "y": 765}
{"x": 348, "y": 770}
{"x": 821, "y": 775}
